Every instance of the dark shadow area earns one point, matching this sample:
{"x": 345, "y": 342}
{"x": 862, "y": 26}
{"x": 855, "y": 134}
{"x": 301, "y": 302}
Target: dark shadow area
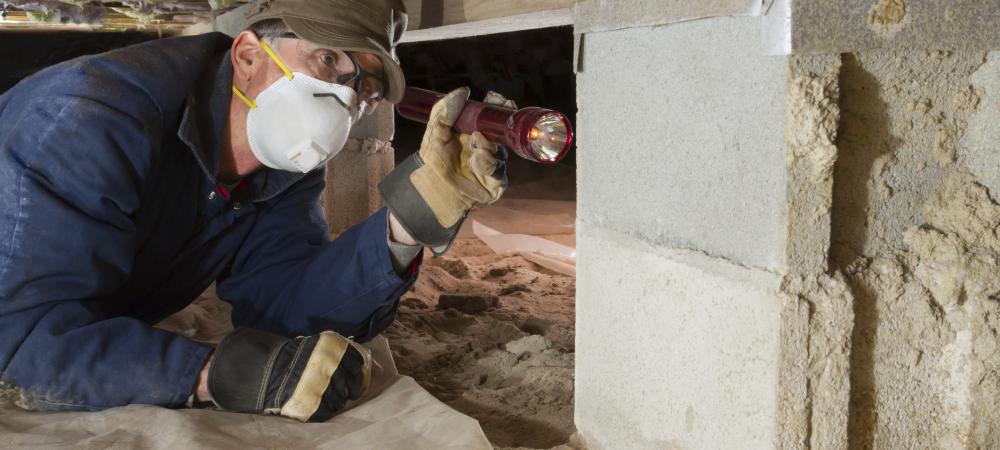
{"x": 432, "y": 13}
{"x": 864, "y": 136}
{"x": 862, "y": 410}
{"x": 26, "y": 52}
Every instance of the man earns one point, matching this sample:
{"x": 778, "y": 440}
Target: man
{"x": 136, "y": 178}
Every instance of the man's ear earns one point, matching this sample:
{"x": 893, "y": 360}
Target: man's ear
{"x": 246, "y": 55}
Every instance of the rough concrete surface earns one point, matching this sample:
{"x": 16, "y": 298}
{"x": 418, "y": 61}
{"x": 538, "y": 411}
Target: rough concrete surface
{"x": 812, "y": 118}
{"x": 681, "y": 138}
{"x": 675, "y": 349}
{"x": 908, "y": 310}
{"x": 816, "y": 325}
{"x": 353, "y": 175}
{"x": 904, "y": 114}
{"x": 928, "y": 318}
{"x": 979, "y": 147}
{"x": 917, "y": 236}
{"x": 817, "y": 318}
{"x": 824, "y": 26}
{"x": 352, "y": 179}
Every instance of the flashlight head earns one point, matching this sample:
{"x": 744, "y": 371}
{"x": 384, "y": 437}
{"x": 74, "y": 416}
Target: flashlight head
{"x": 539, "y": 135}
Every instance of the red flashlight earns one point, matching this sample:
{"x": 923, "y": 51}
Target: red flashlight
{"x": 536, "y": 134}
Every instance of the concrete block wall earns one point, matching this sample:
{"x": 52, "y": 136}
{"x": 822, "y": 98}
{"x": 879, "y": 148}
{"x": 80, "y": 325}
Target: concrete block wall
{"x": 916, "y": 220}
{"x": 682, "y": 237}
{"x": 689, "y": 120}
{"x": 675, "y": 349}
{"x": 795, "y": 251}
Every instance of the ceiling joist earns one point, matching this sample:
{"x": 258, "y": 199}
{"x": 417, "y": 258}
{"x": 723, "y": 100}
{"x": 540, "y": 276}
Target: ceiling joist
{"x": 435, "y": 13}
{"x": 171, "y": 16}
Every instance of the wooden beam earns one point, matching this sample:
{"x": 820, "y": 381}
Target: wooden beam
{"x": 19, "y": 21}
{"x": 435, "y": 13}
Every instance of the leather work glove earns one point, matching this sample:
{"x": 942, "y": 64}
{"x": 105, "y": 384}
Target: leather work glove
{"x": 308, "y": 378}
{"x": 431, "y": 192}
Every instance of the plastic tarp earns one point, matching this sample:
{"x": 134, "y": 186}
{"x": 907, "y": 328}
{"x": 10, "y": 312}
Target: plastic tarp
{"x": 551, "y": 255}
{"x": 398, "y": 414}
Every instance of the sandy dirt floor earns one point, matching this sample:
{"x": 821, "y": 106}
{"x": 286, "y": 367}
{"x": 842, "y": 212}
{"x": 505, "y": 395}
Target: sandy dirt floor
{"x": 509, "y": 366}
{"x": 492, "y": 336}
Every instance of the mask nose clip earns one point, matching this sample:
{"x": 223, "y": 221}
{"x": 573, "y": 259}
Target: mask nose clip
{"x": 354, "y": 111}
{"x": 335, "y": 97}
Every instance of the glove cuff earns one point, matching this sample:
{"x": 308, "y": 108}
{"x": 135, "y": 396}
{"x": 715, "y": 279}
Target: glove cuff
{"x": 238, "y": 375}
{"x": 414, "y": 214}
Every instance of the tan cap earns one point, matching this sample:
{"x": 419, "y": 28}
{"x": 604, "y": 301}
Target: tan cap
{"x": 371, "y": 26}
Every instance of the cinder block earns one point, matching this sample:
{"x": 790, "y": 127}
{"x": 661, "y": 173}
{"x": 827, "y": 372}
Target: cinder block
{"x": 674, "y": 349}
{"x": 681, "y": 138}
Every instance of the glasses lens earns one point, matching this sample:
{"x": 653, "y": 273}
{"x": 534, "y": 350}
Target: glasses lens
{"x": 371, "y": 90}
{"x": 548, "y": 137}
{"x": 368, "y": 88}
{"x": 343, "y": 68}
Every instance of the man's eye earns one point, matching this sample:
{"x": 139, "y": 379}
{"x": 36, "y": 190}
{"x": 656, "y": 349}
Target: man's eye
{"x": 327, "y": 59}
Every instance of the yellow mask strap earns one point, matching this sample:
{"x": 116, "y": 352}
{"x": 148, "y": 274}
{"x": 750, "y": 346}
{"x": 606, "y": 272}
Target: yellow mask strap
{"x": 284, "y": 68}
{"x": 281, "y": 65}
{"x": 246, "y": 100}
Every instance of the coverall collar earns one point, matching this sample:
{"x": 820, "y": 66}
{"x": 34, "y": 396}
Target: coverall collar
{"x": 203, "y": 125}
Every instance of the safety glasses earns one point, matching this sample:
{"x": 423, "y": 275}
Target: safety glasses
{"x": 339, "y": 67}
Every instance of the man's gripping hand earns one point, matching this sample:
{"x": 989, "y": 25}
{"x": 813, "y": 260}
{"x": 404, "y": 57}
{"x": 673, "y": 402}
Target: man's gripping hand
{"x": 431, "y": 192}
{"x": 308, "y": 378}
{"x": 458, "y": 168}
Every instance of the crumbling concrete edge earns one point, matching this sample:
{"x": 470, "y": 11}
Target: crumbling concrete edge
{"x": 817, "y": 318}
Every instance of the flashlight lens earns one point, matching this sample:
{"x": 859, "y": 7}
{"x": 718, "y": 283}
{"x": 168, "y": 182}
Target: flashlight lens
{"x": 548, "y": 137}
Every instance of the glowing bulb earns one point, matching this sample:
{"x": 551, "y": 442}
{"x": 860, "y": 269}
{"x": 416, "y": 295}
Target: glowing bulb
{"x": 534, "y": 134}
{"x": 549, "y": 137}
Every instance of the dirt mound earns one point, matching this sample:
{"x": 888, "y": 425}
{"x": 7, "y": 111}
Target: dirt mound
{"x": 509, "y": 366}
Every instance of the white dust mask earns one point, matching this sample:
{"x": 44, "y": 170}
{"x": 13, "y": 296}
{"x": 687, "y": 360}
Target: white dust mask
{"x": 299, "y": 122}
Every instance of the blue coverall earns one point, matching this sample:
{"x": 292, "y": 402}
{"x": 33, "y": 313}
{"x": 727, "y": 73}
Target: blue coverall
{"x": 111, "y": 220}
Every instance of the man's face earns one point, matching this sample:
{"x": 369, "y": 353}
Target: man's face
{"x": 330, "y": 65}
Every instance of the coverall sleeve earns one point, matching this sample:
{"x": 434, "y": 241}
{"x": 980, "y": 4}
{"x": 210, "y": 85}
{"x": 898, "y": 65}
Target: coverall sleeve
{"x": 72, "y": 172}
{"x": 290, "y": 278}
